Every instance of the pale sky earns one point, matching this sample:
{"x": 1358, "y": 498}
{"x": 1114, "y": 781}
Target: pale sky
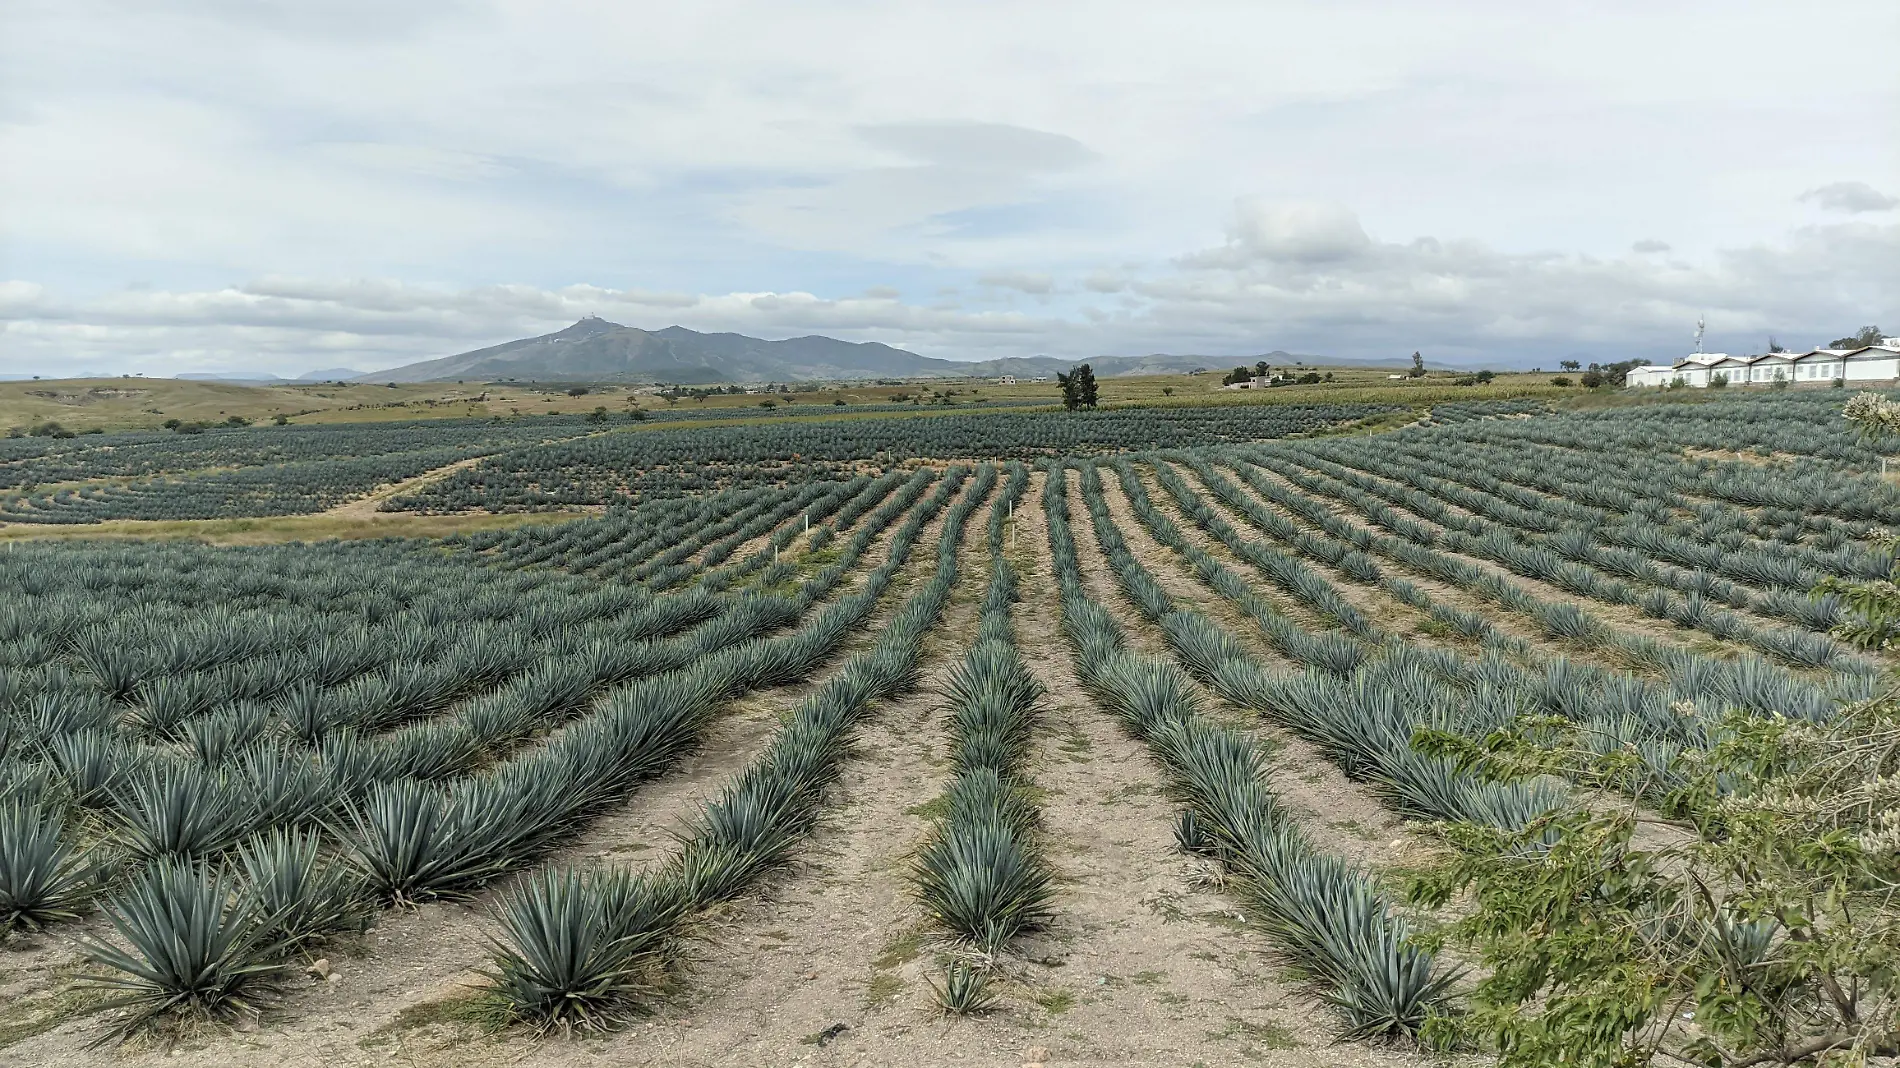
{"x": 286, "y": 185}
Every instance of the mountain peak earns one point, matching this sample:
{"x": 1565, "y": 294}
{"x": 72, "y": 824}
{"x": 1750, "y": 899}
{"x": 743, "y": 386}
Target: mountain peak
{"x": 588, "y": 326}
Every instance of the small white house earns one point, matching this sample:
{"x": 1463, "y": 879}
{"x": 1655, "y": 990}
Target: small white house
{"x": 1653, "y": 374}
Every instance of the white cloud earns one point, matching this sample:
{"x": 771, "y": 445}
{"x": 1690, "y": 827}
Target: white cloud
{"x": 1649, "y": 244}
{"x": 1850, "y": 198}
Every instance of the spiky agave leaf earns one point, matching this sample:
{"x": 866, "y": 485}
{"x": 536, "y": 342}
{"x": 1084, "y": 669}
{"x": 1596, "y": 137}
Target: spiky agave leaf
{"x": 981, "y": 881}
{"x": 93, "y": 763}
{"x": 43, "y": 878}
{"x": 192, "y": 949}
{"x": 578, "y": 949}
{"x": 297, "y": 895}
{"x": 965, "y": 990}
{"x": 411, "y": 843}
{"x": 175, "y": 808}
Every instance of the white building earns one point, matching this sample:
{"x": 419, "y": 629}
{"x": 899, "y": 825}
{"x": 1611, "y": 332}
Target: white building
{"x": 1816, "y": 367}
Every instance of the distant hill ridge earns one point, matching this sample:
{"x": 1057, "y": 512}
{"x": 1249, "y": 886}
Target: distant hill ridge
{"x": 595, "y": 350}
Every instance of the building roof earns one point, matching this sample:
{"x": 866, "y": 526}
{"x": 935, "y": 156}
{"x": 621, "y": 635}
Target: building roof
{"x": 1703, "y": 359}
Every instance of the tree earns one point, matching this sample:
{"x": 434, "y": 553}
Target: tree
{"x": 1262, "y": 369}
{"x": 1569, "y": 365}
{"x": 1485, "y": 377}
{"x": 1617, "y": 374}
{"x": 1078, "y": 387}
{"x": 1773, "y": 345}
{"x": 1560, "y": 380}
{"x": 1868, "y": 335}
{"x": 1238, "y": 374}
{"x": 1167, "y": 391}
{"x": 1418, "y": 366}
{"x": 1591, "y": 379}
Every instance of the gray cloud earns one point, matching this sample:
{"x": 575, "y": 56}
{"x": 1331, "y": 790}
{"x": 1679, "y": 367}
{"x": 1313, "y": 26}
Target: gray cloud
{"x": 1650, "y": 244}
{"x": 1451, "y": 298}
{"x": 1020, "y": 281}
{"x": 1309, "y": 232}
{"x": 304, "y": 145}
{"x": 1849, "y": 198}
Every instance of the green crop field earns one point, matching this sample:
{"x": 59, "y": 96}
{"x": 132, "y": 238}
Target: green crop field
{"x": 1364, "y": 722}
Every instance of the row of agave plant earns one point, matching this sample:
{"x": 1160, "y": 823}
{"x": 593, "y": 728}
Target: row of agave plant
{"x": 212, "y": 907}
{"x": 1476, "y": 536}
{"x": 1620, "y": 710}
{"x": 1537, "y": 545}
{"x": 583, "y": 948}
{"x": 538, "y": 685}
{"x": 655, "y": 541}
{"x": 1330, "y": 917}
{"x": 1633, "y": 505}
{"x": 1834, "y": 475}
{"x": 1363, "y": 716}
{"x": 981, "y": 874}
{"x": 1749, "y": 682}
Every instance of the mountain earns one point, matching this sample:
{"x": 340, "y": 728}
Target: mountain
{"x": 330, "y": 374}
{"x": 595, "y": 350}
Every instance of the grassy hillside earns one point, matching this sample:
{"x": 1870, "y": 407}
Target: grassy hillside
{"x": 131, "y": 403}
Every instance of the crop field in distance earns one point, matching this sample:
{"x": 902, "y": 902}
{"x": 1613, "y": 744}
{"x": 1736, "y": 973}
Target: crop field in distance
{"x": 1358, "y": 724}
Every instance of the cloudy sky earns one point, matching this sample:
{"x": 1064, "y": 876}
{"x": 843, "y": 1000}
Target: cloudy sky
{"x": 285, "y": 185}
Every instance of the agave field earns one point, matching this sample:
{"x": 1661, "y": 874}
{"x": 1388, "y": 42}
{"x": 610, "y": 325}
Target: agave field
{"x": 1139, "y": 737}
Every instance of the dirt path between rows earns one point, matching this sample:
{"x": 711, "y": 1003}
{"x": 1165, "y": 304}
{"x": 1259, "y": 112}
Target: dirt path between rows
{"x": 366, "y": 506}
{"x": 1163, "y": 967}
{"x": 1339, "y": 814}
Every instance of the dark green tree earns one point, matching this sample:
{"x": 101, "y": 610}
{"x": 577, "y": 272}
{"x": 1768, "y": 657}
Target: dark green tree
{"x": 1418, "y": 366}
{"x": 1868, "y": 335}
{"x": 1078, "y": 387}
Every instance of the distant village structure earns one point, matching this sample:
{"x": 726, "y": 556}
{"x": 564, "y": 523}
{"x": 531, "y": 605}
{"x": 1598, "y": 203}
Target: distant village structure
{"x": 1878, "y": 362}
